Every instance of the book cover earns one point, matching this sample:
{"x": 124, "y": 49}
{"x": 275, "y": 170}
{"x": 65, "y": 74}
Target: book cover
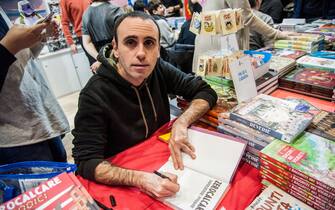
{"x": 228, "y": 21}
{"x": 310, "y": 156}
{"x": 288, "y": 53}
{"x": 323, "y": 125}
{"x": 279, "y": 64}
{"x": 205, "y": 179}
{"x": 275, "y": 198}
{"x": 208, "y": 23}
{"x": 273, "y": 85}
{"x": 316, "y": 62}
{"x": 195, "y": 26}
{"x": 279, "y": 118}
{"x": 61, "y": 192}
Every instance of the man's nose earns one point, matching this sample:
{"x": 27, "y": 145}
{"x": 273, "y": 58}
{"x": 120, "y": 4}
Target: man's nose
{"x": 141, "y": 52}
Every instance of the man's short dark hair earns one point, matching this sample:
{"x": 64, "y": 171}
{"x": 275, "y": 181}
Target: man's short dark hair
{"x": 135, "y": 14}
{"x": 139, "y": 5}
{"x": 252, "y": 3}
{"x": 153, "y": 5}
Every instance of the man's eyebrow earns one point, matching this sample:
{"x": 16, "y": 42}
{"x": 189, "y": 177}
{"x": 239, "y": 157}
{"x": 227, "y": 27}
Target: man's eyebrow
{"x": 151, "y": 38}
{"x": 130, "y": 37}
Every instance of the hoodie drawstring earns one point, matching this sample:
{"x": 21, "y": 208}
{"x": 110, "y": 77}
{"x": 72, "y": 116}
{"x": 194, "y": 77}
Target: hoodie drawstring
{"x": 152, "y": 102}
{"x": 142, "y": 112}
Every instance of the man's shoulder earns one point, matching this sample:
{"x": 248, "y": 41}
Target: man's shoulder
{"x": 265, "y": 17}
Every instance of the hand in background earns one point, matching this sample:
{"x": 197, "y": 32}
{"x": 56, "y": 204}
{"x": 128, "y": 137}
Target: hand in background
{"x": 74, "y": 48}
{"x": 159, "y": 187}
{"x": 179, "y": 143}
{"x": 170, "y": 9}
{"x": 20, "y": 37}
{"x": 95, "y": 66}
{"x": 52, "y": 29}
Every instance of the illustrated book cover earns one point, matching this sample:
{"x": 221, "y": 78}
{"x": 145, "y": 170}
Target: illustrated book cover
{"x": 310, "y": 156}
{"x": 204, "y": 180}
{"x": 61, "y": 192}
{"x": 275, "y": 198}
{"x": 278, "y": 118}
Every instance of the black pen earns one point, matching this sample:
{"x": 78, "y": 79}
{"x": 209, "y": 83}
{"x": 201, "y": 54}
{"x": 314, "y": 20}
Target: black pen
{"x": 102, "y": 205}
{"x": 162, "y": 175}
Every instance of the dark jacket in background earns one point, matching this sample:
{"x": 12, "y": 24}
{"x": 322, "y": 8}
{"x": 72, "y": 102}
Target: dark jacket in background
{"x": 185, "y": 35}
{"x": 274, "y": 8}
{"x": 314, "y": 9}
{"x": 113, "y": 115}
{"x": 169, "y": 3}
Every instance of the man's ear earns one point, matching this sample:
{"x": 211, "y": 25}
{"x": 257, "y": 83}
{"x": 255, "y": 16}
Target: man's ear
{"x": 115, "y": 49}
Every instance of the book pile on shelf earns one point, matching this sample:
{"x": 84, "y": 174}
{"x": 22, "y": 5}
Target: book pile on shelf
{"x": 304, "y": 169}
{"x": 264, "y": 119}
{"x": 303, "y": 42}
{"x": 317, "y": 62}
{"x": 287, "y": 53}
{"x": 310, "y": 81}
{"x": 60, "y": 192}
{"x": 267, "y": 83}
{"x": 282, "y": 65}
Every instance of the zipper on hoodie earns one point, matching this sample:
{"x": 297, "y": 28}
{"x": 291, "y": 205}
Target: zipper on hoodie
{"x": 141, "y": 108}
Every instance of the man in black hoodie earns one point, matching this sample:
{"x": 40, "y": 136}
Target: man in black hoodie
{"x": 127, "y": 101}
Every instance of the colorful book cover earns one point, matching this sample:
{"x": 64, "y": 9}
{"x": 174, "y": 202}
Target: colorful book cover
{"x": 208, "y": 23}
{"x": 321, "y": 63}
{"x": 275, "y": 198}
{"x": 310, "y": 156}
{"x": 310, "y": 80}
{"x": 323, "y": 125}
{"x": 288, "y": 53}
{"x": 279, "y": 118}
{"x": 228, "y": 21}
{"x": 61, "y": 192}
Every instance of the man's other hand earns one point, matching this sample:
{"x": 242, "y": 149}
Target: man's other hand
{"x": 20, "y": 37}
{"x": 159, "y": 187}
{"x": 179, "y": 143}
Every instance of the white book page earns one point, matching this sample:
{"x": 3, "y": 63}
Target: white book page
{"x": 197, "y": 191}
{"x": 217, "y": 156}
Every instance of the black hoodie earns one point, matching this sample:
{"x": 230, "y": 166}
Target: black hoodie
{"x": 113, "y": 115}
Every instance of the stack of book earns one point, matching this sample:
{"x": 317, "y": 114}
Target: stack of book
{"x": 316, "y": 62}
{"x": 305, "y": 42}
{"x": 304, "y": 169}
{"x": 288, "y": 53}
{"x": 323, "y": 125}
{"x": 310, "y": 81}
{"x": 267, "y": 83}
{"x": 263, "y": 120}
{"x": 282, "y": 65}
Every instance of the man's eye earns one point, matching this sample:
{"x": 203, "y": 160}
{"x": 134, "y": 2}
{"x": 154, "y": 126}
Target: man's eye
{"x": 130, "y": 42}
{"x": 149, "y": 43}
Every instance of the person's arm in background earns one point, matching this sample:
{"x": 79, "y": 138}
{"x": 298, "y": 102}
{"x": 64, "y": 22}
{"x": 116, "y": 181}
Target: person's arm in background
{"x": 65, "y": 21}
{"x": 167, "y": 35}
{"x": 17, "y": 38}
{"x": 90, "y": 48}
{"x": 90, "y": 138}
{"x": 252, "y": 21}
{"x": 268, "y": 42}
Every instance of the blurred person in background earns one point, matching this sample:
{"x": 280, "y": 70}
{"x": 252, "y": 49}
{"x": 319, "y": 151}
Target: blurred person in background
{"x": 98, "y": 30}
{"x": 71, "y": 14}
{"x": 258, "y": 40}
{"x": 274, "y": 8}
{"x": 28, "y": 16}
{"x": 173, "y": 7}
{"x": 31, "y": 120}
{"x": 314, "y": 9}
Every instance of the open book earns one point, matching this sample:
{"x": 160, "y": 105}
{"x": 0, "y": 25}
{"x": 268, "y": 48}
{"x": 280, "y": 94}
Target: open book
{"x": 205, "y": 179}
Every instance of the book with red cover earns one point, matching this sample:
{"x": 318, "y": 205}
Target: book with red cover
{"x": 61, "y": 192}
{"x": 310, "y": 81}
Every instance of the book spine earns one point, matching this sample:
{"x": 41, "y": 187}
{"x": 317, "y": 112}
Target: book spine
{"x": 294, "y": 179}
{"x": 256, "y": 126}
{"x": 299, "y": 195}
{"x": 252, "y": 143}
{"x": 296, "y": 185}
{"x": 295, "y": 171}
{"x": 250, "y": 162}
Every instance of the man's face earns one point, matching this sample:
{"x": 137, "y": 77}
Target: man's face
{"x": 137, "y": 49}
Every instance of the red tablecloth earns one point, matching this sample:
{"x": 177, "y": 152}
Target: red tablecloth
{"x": 151, "y": 155}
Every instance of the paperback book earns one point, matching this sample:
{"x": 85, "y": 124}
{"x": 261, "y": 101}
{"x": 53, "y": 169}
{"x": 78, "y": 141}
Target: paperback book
{"x": 281, "y": 65}
{"x": 316, "y": 62}
{"x": 310, "y": 156}
{"x": 275, "y": 198}
{"x": 265, "y": 80}
{"x": 278, "y": 118}
{"x": 203, "y": 182}
{"x": 288, "y": 53}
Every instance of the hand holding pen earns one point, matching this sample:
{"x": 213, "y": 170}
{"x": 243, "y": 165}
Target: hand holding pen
{"x": 159, "y": 184}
